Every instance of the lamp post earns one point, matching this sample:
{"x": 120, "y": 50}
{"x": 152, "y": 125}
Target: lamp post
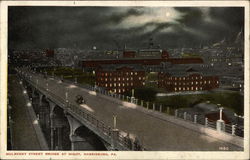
{"x": 220, "y": 124}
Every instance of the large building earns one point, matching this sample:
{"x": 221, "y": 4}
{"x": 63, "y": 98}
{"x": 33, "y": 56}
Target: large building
{"x": 120, "y": 78}
{"x": 179, "y": 78}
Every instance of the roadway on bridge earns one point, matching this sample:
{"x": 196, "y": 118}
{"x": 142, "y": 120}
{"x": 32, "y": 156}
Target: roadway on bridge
{"x": 154, "y": 133}
{"x": 24, "y": 135}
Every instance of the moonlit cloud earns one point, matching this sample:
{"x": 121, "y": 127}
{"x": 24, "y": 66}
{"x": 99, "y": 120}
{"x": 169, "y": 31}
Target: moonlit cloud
{"x": 112, "y": 27}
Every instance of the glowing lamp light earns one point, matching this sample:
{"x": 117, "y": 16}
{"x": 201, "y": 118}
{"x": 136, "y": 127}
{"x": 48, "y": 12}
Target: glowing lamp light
{"x": 24, "y": 91}
{"x": 29, "y": 104}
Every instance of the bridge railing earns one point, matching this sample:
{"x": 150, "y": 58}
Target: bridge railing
{"x": 125, "y": 141}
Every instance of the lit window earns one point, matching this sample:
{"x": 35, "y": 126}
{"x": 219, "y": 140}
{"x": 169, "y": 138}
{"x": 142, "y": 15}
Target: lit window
{"x": 139, "y": 78}
{"x": 196, "y": 82}
{"x": 183, "y": 89}
{"x": 123, "y": 79}
{"x": 127, "y": 79}
{"x": 123, "y": 84}
{"x": 200, "y": 88}
{"x": 135, "y": 73}
{"x": 183, "y": 78}
{"x": 192, "y": 88}
{"x": 123, "y": 90}
{"x": 205, "y": 82}
{"x": 217, "y": 82}
{"x": 192, "y": 82}
{"x": 106, "y": 79}
{"x": 114, "y": 90}
{"x": 114, "y": 84}
{"x": 175, "y": 89}
{"x": 114, "y": 79}
{"x": 131, "y": 73}
{"x": 196, "y": 88}
{"x": 196, "y": 77}
{"x": 175, "y": 78}
{"x": 208, "y": 82}
{"x": 175, "y": 83}
{"x": 180, "y": 88}
{"x": 131, "y": 84}
{"x": 119, "y": 79}
{"x": 119, "y": 91}
{"x": 110, "y": 84}
{"x": 106, "y": 85}
{"x": 106, "y": 74}
{"x": 188, "y": 88}
{"x": 200, "y": 82}
{"x": 131, "y": 78}
{"x": 143, "y": 83}
{"x": 119, "y": 84}
{"x": 126, "y": 73}
{"x": 127, "y": 84}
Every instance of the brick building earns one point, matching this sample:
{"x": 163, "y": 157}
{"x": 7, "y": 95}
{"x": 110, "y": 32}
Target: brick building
{"x": 120, "y": 78}
{"x": 179, "y": 78}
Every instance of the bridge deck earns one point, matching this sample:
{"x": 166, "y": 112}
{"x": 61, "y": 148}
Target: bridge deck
{"x": 154, "y": 133}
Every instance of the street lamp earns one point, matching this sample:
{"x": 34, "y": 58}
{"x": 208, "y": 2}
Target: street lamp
{"x": 114, "y": 120}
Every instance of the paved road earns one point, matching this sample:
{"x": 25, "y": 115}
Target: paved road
{"x": 154, "y": 133}
{"x": 24, "y": 135}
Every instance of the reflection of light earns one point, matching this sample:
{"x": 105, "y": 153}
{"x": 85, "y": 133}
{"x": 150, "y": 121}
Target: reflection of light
{"x": 87, "y": 107}
{"x": 92, "y": 93}
{"x": 29, "y": 104}
{"x": 35, "y": 122}
{"x": 72, "y": 86}
{"x": 129, "y": 105}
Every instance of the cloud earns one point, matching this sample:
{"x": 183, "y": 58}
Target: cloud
{"x": 54, "y": 27}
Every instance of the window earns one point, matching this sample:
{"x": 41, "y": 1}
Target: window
{"x": 114, "y": 90}
{"x": 208, "y": 82}
{"x": 192, "y": 88}
{"x": 119, "y": 84}
{"x": 175, "y": 88}
{"x": 123, "y": 84}
{"x": 188, "y": 88}
{"x": 131, "y": 84}
{"x": 192, "y": 82}
{"x": 183, "y": 88}
{"x": 106, "y": 79}
{"x": 119, "y": 78}
{"x": 106, "y": 74}
{"x": 131, "y": 73}
{"x": 196, "y": 82}
{"x": 205, "y": 82}
{"x": 106, "y": 85}
{"x": 175, "y": 83}
{"x": 139, "y": 78}
{"x": 180, "y": 88}
{"x": 143, "y": 83}
{"x": 127, "y": 79}
{"x": 196, "y": 88}
{"x": 110, "y": 84}
{"x": 114, "y": 84}
{"x": 135, "y": 73}
{"x": 119, "y": 91}
{"x": 114, "y": 79}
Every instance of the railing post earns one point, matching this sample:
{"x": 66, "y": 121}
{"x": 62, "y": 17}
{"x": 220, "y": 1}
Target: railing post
{"x": 176, "y": 113}
{"x": 153, "y": 106}
{"x": 233, "y": 129}
{"x": 123, "y": 97}
{"x": 147, "y": 105}
{"x": 76, "y": 80}
{"x": 141, "y": 102}
{"x": 206, "y": 122}
{"x": 195, "y": 118}
{"x": 167, "y": 110}
{"x": 160, "y": 108}
{"x": 185, "y": 115}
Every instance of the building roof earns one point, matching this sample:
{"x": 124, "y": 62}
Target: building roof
{"x": 114, "y": 67}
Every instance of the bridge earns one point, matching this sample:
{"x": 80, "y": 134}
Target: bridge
{"x": 116, "y": 123}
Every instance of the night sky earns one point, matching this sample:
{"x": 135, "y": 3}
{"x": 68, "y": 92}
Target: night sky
{"x": 109, "y": 27}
